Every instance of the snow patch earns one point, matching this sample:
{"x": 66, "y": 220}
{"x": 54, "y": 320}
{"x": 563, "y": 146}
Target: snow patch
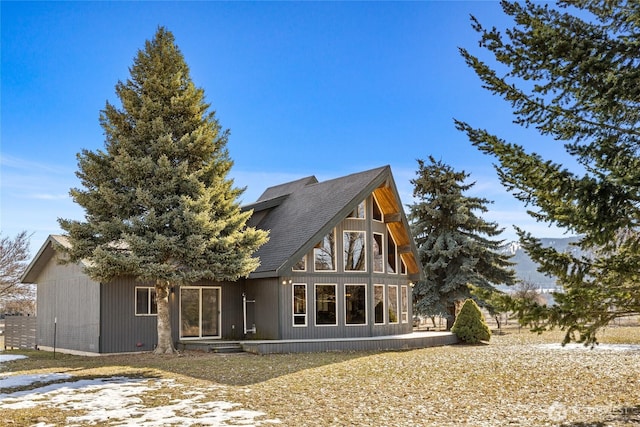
{"x": 599, "y": 347}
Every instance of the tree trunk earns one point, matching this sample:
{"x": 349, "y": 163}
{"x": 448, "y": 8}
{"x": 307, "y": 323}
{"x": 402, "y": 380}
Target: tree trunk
{"x": 165, "y": 342}
{"x": 451, "y": 318}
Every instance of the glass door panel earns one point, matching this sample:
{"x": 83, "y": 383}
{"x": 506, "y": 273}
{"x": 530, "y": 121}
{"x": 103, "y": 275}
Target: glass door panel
{"x": 190, "y": 312}
{"x": 210, "y": 298}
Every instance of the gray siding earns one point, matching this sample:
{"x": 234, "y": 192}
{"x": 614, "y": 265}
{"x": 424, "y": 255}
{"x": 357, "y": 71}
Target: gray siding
{"x": 122, "y": 330}
{"x": 66, "y": 294}
{"x": 266, "y": 310}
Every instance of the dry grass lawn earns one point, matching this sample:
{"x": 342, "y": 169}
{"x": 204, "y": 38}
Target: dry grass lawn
{"x": 519, "y": 379}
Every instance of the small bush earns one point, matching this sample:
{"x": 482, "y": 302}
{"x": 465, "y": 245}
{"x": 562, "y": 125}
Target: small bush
{"x": 470, "y": 325}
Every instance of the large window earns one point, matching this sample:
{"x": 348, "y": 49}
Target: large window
{"x": 392, "y": 258}
{"x": 377, "y": 213}
{"x": 326, "y": 305}
{"x": 301, "y": 265}
{"x": 299, "y": 304}
{"x": 393, "y": 304}
{"x": 378, "y": 256}
{"x": 404, "y": 306}
{"x": 379, "y": 304}
{"x": 354, "y": 250}
{"x": 324, "y": 254}
{"x": 146, "y": 303}
{"x": 355, "y": 304}
{"x": 359, "y": 211}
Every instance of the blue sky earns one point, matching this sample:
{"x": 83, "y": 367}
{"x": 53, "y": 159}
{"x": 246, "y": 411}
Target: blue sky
{"x": 306, "y": 88}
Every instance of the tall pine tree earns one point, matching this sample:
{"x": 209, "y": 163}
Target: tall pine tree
{"x": 572, "y": 74}
{"x": 158, "y": 203}
{"x": 455, "y": 245}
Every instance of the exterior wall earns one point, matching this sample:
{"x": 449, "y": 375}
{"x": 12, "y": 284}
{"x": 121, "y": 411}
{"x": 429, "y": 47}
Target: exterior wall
{"x": 266, "y": 310}
{"x": 122, "y": 330}
{"x": 231, "y": 309}
{"x": 342, "y": 278}
{"x": 68, "y": 307}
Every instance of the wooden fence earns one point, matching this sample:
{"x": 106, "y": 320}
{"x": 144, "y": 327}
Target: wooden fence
{"x": 20, "y": 332}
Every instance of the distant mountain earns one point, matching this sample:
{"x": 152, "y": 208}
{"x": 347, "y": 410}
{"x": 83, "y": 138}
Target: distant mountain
{"x": 527, "y": 270}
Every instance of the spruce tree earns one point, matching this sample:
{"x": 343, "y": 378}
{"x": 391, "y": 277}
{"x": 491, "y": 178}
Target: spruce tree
{"x": 470, "y": 325}
{"x": 158, "y": 203}
{"x": 455, "y": 245}
{"x": 571, "y": 72}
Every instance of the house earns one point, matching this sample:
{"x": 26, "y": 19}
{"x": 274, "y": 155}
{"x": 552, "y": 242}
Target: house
{"x": 339, "y": 265}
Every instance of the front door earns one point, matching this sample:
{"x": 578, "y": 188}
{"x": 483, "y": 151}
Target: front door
{"x": 199, "y": 312}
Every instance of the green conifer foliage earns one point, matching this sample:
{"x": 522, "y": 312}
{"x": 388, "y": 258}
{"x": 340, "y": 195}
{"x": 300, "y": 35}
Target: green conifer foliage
{"x": 454, "y": 243}
{"x": 470, "y": 325}
{"x": 158, "y": 203}
{"x": 571, "y": 72}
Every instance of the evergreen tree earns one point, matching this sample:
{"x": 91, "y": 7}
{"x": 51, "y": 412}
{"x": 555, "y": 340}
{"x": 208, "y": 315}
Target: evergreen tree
{"x": 572, "y": 73}
{"x": 454, "y": 244}
{"x": 470, "y": 325}
{"x": 158, "y": 203}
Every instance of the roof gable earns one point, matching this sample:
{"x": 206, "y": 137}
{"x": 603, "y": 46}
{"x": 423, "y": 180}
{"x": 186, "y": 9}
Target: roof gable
{"x": 300, "y": 219}
{"x": 44, "y": 255}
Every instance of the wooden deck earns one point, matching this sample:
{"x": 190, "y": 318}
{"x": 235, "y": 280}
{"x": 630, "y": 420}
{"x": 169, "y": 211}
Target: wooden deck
{"x": 391, "y": 342}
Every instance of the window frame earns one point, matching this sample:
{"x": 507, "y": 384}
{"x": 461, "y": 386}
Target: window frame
{"x": 295, "y": 315}
{"x": 390, "y": 240}
{"x": 373, "y": 210}
{"x": 404, "y": 304}
{"x": 390, "y": 305}
{"x": 384, "y": 304}
{"x": 364, "y": 304}
{"x": 315, "y": 304}
{"x": 363, "y": 250}
{"x": 319, "y": 246}
{"x": 381, "y": 247}
{"x": 151, "y": 297}
{"x": 303, "y": 260}
{"x": 363, "y": 205}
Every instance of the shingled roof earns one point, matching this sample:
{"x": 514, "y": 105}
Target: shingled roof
{"x": 299, "y": 213}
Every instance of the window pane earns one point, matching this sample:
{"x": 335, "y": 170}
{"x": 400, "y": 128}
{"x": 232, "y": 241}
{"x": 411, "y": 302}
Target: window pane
{"x": 354, "y": 253}
{"x": 154, "y": 301}
{"x": 403, "y": 267}
{"x": 391, "y": 254}
{"x": 378, "y": 258}
{"x": 377, "y": 213}
{"x": 359, "y": 211}
{"x": 378, "y": 302}
{"x": 324, "y": 253}
{"x": 355, "y": 303}
{"x": 393, "y": 304}
{"x": 300, "y": 304}
{"x": 142, "y": 300}
{"x": 301, "y": 265}
{"x": 326, "y": 305}
{"x": 405, "y": 304}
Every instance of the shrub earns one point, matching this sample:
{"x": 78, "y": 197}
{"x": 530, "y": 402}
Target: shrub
{"x": 470, "y": 325}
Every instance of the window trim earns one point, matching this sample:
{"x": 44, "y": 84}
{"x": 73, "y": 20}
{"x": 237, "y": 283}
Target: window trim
{"x": 304, "y": 260}
{"x": 357, "y": 209}
{"x": 364, "y": 250}
{"x": 150, "y": 290}
{"x": 404, "y": 303}
{"x": 395, "y": 250}
{"x": 335, "y": 261}
{"x": 382, "y": 252}
{"x": 375, "y": 201}
{"x": 366, "y": 318}
{"x": 295, "y": 315}
{"x": 389, "y": 305}
{"x": 384, "y": 304}
{"x": 315, "y": 304}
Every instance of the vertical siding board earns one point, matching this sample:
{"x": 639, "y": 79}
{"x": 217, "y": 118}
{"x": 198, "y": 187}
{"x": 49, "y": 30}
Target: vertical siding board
{"x": 266, "y": 311}
{"x": 67, "y": 295}
{"x": 122, "y": 330}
